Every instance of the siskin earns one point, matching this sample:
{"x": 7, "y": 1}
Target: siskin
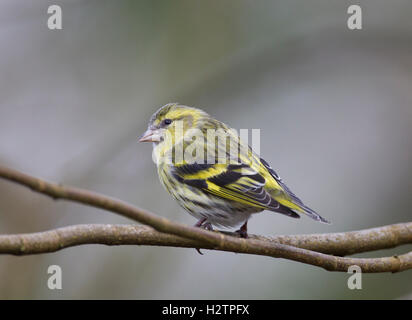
{"x": 215, "y": 176}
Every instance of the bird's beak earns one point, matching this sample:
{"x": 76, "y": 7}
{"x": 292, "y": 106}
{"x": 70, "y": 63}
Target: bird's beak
{"x": 150, "y": 136}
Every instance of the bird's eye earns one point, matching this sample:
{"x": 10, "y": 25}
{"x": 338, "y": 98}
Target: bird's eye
{"x": 166, "y": 122}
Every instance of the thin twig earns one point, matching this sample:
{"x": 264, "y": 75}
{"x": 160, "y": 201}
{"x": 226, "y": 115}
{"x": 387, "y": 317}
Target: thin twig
{"x": 213, "y": 240}
{"x": 123, "y": 234}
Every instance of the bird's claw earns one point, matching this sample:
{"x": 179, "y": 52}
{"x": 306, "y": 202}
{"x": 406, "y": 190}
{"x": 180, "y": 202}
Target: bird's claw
{"x": 243, "y": 234}
{"x": 207, "y": 226}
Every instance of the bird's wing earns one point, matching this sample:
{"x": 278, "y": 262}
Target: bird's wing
{"x": 238, "y": 176}
{"x": 247, "y": 179}
{"x": 239, "y": 182}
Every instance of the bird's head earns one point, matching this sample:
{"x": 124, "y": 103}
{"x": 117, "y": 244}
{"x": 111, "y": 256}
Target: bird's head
{"x": 171, "y": 122}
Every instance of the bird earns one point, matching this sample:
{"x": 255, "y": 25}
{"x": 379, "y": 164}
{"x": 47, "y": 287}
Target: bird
{"x": 213, "y": 174}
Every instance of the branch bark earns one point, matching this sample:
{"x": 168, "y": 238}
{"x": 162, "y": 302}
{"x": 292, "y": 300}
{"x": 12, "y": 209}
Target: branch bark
{"x": 339, "y": 244}
{"x": 170, "y": 233}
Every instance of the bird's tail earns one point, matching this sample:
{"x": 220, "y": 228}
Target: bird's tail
{"x": 296, "y": 205}
{"x": 294, "y": 208}
{"x": 312, "y": 214}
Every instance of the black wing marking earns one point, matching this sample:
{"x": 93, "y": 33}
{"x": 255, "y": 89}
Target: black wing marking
{"x": 191, "y": 168}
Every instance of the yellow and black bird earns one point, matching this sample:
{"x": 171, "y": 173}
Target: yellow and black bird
{"x": 214, "y": 186}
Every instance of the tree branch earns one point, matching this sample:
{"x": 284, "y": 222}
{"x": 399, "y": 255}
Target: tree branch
{"x": 330, "y": 243}
{"x": 185, "y": 236}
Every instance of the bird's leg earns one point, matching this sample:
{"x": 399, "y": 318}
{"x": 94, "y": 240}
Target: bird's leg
{"x": 243, "y": 231}
{"x": 200, "y": 222}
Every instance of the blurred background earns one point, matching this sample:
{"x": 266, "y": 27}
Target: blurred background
{"x": 334, "y": 107}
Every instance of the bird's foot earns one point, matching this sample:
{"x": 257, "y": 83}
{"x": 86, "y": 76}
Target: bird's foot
{"x": 242, "y": 232}
{"x": 201, "y": 223}
{"x": 207, "y": 226}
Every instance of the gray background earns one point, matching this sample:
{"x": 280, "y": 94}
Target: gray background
{"x": 333, "y": 106}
